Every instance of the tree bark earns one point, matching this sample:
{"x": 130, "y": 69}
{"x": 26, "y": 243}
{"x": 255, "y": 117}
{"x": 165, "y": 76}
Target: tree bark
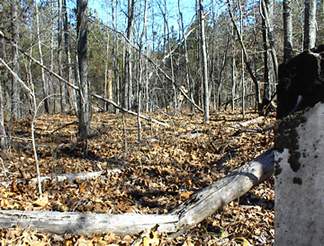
{"x": 201, "y": 205}
{"x": 114, "y": 50}
{"x": 321, "y": 24}
{"x": 309, "y": 24}
{"x": 40, "y": 51}
{"x": 84, "y": 102}
{"x": 67, "y": 58}
{"x": 204, "y": 61}
{"x": 269, "y": 64}
{"x": 128, "y": 87}
{"x": 233, "y": 77}
{"x": 60, "y": 48}
{"x": 242, "y": 59}
{"x": 3, "y": 134}
{"x": 182, "y": 29}
{"x": 288, "y": 30}
{"x": 15, "y": 88}
{"x": 108, "y": 74}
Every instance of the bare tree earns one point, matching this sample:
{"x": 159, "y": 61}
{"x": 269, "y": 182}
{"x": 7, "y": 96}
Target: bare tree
{"x": 128, "y": 93}
{"x": 108, "y": 93}
{"x": 67, "y": 59}
{"x": 15, "y": 90}
{"x": 204, "y": 60}
{"x": 309, "y": 24}
{"x": 242, "y": 59}
{"x": 40, "y": 51}
{"x": 168, "y": 50}
{"x": 114, "y": 50}
{"x": 288, "y": 30}
{"x": 84, "y": 108}
{"x": 233, "y": 69}
{"x": 245, "y": 55}
{"x": 182, "y": 29}
{"x": 140, "y": 71}
{"x": 3, "y": 135}
{"x": 321, "y": 22}
{"x": 59, "y": 52}
{"x": 269, "y": 63}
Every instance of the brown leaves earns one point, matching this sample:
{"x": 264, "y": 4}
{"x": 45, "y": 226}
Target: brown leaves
{"x": 156, "y": 176}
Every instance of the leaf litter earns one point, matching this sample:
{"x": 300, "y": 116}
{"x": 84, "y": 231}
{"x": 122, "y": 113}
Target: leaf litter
{"x": 156, "y": 175}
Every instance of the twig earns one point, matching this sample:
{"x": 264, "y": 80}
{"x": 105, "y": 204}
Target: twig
{"x": 65, "y": 125}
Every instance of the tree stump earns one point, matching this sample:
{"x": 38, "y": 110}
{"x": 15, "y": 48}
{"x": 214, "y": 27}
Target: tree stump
{"x": 299, "y": 171}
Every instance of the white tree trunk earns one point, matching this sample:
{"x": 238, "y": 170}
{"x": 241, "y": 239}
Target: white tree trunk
{"x": 288, "y": 30}
{"x": 310, "y": 24}
{"x": 204, "y": 60}
{"x": 40, "y": 51}
{"x": 299, "y": 185}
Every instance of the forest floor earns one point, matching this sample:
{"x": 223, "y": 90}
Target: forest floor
{"x": 153, "y": 176}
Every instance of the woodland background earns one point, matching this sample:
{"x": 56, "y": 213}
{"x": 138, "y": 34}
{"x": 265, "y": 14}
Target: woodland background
{"x": 153, "y": 99}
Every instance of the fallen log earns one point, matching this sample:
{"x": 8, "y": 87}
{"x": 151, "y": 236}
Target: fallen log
{"x": 249, "y": 122}
{"x": 201, "y": 205}
{"x": 70, "y": 177}
{"x": 86, "y": 223}
{"x": 213, "y": 197}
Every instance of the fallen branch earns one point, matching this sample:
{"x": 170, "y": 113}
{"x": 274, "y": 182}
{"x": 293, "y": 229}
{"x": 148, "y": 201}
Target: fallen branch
{"x": 249, "y": 122}
{"x": 64, "y": 126}
{"x": 213, "y": 197}
{"x": 67, "y": 177}
{"x": 252, "y": 130}
{"x": 77, "y": 176}
{"x": 197, "y": 208}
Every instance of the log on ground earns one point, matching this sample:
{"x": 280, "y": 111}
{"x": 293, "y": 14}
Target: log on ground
{"x": 201, "y": 205}
{"x": 70, "y": 177}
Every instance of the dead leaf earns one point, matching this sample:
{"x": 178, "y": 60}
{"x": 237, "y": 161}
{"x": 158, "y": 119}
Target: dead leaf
{"x": 42, "y": 201}
{"x": 243, "y": 241}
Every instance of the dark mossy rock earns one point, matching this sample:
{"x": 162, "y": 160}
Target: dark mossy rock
{"x": 301, "y": 82}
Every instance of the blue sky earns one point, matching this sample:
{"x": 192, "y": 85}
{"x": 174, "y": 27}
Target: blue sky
{"x": 187, "y": 8}
{"x": 103, "y": 11}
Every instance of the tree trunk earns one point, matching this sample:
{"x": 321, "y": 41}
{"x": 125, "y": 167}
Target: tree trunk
{"x": 204, "y": 61}
{"x": 140, "y": 71}
{"x": 67, "y": 59}
{"x": 128, "y": 93}
{"x": 84, "y": 107}
{"x": 309, "y": 24}
{"x": 114, "y": 50}
{"x": 59, "y": 55}
{"x": 246, "y": 57}
{"x": 51, "y": 81}
{"x": 288, "y": 30}
{"x": 108, "y": 75}
{"x": 3, "y": 134}
{"x": 233, "y": 77}
{"x": 40, "y": 51}
{"x": 267, "y": 33}
{"x": 242, "y": 60}
{"x": 15, "y": 88}
{"x": 187, "y": 69}
{"x": 320, "y": 24}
